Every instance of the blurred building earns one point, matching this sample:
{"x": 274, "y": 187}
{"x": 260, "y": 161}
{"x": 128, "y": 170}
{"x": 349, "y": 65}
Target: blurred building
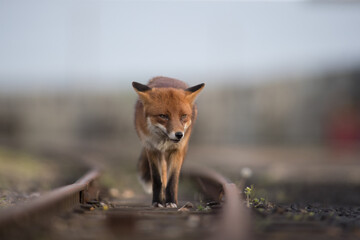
{"x": 305, "y": 110}
{"x": 323, "y": 109}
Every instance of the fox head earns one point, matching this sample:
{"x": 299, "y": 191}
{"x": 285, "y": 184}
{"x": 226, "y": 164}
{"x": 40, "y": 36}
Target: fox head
{"x": 168, "y": 111}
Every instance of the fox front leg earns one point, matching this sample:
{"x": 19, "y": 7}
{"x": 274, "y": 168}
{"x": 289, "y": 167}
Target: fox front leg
{"x": 171, "y": 192}
{"x": 155, "y": 168}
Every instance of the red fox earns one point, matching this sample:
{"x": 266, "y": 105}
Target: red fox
{"x": 164, "y": 116}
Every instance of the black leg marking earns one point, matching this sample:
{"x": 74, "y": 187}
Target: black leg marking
{"x": 156, "y": 185}
{"x": 170, "y": 190}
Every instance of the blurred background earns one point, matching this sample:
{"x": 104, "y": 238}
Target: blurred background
{"x": 282, "y": 80}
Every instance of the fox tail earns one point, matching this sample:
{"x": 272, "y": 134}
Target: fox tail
{"x": 144, "y": 174}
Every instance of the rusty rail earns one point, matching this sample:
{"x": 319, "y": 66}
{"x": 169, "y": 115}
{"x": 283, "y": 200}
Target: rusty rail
{"x": 60, "y": 199}
{"x": 234, "y": 222}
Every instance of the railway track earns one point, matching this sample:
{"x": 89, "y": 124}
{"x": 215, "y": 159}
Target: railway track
{"x": 61, "y": 199}
{"x": 231, "y": 220}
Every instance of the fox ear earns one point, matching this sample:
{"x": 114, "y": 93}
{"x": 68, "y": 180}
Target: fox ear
{"x": 192, "y": 92}
{"x": 142, "y": 91}
{"x": 140, "y": 87}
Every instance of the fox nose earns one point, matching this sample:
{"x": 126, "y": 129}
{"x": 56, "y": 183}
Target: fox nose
{"x": 179, "y": 135}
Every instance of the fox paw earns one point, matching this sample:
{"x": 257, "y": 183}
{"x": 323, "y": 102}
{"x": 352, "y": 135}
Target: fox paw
{"x": 157, "y": 205}
{"x": 171, "y": 205}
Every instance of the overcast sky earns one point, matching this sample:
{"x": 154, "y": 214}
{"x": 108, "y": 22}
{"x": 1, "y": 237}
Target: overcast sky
{"x": 110, "y": 43}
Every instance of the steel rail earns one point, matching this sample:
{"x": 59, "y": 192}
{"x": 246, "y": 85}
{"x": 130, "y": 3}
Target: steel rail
{"x": 234, "y": 222}
{"x": 60, "y": 199}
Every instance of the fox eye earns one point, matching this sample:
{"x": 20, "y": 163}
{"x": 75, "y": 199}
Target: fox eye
{"x": 183, "y": 117}
{"x": 164, "y": 116}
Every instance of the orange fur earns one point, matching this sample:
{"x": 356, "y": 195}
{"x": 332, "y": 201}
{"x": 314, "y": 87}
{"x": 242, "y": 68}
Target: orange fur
{"x": 164, "y": 117}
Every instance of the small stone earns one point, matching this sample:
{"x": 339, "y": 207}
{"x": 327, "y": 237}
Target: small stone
{"x": 188, "y": 205}
{"x": 183, "y": 209}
